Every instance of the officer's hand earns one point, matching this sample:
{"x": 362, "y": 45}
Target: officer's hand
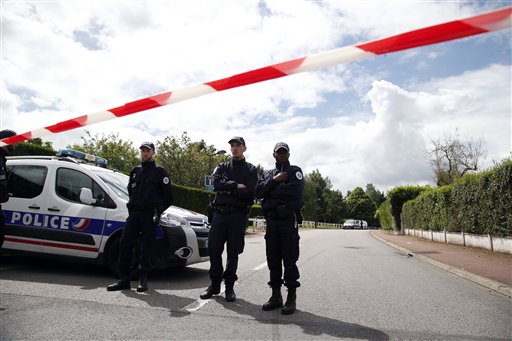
{"x": 281, "y": 177}
{"x": 241, "y": 186}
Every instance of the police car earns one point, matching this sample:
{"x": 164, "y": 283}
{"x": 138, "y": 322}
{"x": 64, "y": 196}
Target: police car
{"x": 72, "y": 205}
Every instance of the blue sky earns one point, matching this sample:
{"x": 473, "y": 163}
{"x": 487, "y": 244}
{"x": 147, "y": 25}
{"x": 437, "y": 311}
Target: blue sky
{"x": 357, "y": 123}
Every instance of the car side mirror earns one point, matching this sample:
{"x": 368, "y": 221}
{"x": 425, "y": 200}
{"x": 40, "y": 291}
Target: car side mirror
{"x": 86, "y": 196}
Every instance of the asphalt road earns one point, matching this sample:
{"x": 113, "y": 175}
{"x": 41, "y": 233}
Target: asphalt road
{"x": 353, "y": 287}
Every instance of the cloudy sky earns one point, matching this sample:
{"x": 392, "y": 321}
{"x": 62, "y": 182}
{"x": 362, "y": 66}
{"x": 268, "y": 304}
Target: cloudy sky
{"x": 357, "y": 123}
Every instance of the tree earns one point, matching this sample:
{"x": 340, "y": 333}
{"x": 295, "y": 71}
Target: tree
{"x": 315, "y": 188}
{"x": 335, "y": 207}
{"x": 188, "y": 162}
{"x": 452, "y": 157}
{"x": 121, "y": 155}
{"x": 374, "y": 194}
{"x": 361, "y": 206}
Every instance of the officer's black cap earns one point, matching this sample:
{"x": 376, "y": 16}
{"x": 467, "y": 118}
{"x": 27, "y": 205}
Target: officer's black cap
{"x": 7, "y": 133}
{"x": 281, "y": 145}
{"x": 149, "y": 145}
{"x": 237, "y": 139}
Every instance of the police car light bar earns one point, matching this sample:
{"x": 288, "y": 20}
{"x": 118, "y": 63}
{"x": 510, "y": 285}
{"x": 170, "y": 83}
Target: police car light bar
{"x": 83, "y": 156}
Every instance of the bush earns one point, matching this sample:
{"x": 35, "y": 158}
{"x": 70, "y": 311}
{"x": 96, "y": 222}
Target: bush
{"x": 191, "y": 198}
{"x": 398, "y": 196}
{"x": 26, "y": 148}
{"x": 383, "y": 215}
{"x": 478, "y": 203}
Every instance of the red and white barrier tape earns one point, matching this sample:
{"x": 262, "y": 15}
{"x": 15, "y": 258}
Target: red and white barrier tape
{"x": 483, "y": 23}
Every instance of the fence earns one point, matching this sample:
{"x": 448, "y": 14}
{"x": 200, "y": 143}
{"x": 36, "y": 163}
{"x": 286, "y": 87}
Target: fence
{"x": 498, "y": 244}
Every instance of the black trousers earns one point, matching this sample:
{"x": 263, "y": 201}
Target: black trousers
{"x": 282, "y": 247}
{"x": 139, "y": 225}
{"x": 229, "y": 229}
{"x": 2, "y": 228}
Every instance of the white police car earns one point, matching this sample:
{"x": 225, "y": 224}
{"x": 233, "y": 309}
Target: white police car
{"x": 65, "y": 206}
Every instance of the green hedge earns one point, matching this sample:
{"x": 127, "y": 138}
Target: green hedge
{"x": 25, "y": 148}
{"x": 479, "y": 203}
{"x": 256, "y": 211}
{"x": 398, "y": 196}
{"x": 383, "y": 215}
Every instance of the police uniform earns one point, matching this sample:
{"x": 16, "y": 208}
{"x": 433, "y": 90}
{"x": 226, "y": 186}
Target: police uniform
{"x": 281, "y": 206}
{"x": 150, "y": 193}
{"x": 4, "y": 194}
{"x": 231, "y": 207}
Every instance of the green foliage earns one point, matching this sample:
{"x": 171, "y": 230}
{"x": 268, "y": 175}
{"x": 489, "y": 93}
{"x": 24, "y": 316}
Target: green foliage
{"x": 321, "y": 203}
{"x": 315, "y": 187}
{"x": 383, "y": 215}
{"x": 121, "y": 155}
{"x": 374, "y": 194}
{"x": 476, "y": 203}
{"x": 335, "y": 207}
{"x": 33, "y": 147}
{"x": 431, "y": 210}
{"x": 398, "y": 196}
{"x": 187, "y": 162}
{"x": 361, "y": 206}
{"x": 256, "y": 211}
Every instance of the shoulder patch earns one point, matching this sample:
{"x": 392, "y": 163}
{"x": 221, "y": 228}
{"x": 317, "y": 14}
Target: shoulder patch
{"x": 298, "y": 175}
{"x": 166, "y": 180}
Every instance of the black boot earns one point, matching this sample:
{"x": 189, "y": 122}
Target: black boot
{"x": 275, "y": 301}
{"x": 289, "y": 306}
{"x": 123, "y": 284}
{"x": 213, "y": 289}
{"x": 230, "y": 293}
{"x": 143, "y": 283}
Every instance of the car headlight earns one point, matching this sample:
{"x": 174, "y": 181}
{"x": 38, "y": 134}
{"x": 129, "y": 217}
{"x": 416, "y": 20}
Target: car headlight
{"x": 169, "y": 219}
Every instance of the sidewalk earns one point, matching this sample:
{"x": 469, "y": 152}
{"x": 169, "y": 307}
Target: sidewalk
{"x": 490, "y": 269}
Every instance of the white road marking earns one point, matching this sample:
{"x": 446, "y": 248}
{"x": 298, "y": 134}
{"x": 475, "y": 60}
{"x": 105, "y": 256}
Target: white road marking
{"x": 261, "y": 266}
{"x": 198, "y": 304}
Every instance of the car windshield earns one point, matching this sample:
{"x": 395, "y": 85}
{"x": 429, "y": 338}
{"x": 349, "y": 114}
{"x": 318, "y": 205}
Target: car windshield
{"x": 118, "y": 182}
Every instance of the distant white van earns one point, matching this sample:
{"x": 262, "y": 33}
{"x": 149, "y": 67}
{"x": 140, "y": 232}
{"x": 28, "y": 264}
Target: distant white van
{"x": 355, "y": 224}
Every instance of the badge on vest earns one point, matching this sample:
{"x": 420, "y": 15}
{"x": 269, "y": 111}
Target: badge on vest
{"x": 298, "y": 175}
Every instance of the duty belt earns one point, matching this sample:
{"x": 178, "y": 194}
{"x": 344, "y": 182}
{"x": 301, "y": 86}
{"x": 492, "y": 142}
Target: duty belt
{"x": 228, "y": 209}
{"x": 281, "y": 212}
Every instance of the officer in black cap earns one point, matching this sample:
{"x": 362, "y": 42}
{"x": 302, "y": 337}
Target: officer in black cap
{"x": 282, "y": 191}
{"x": 150, "y": 193}
{"x": 234, "y": 183}
{"x": 4, "y": 194}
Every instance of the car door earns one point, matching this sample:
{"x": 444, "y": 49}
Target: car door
{"x": 77, "y": 228}
{"x": 24, "y": 220}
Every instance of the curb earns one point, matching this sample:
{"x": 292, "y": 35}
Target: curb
{"x": 485, "y": 282}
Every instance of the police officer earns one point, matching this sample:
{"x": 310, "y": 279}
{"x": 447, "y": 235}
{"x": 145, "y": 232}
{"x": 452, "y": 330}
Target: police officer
{"x": 4, "y": 195}
{"x": 234, "y": 183}
{"x": 282, "y": 191}
{"x": 150, "y": 193}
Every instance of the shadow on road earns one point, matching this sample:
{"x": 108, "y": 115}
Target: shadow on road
{"x": 90, "y": 276}
{"x": 174, "y": 303}
{"x": 310, "y": 323}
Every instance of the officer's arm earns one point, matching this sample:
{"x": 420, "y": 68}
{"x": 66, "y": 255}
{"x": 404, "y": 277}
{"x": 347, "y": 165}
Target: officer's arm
{"x": 250, "y": 187}
{"x": 265, "y": 185}
{"x": 292, "y": 190}
{"x": 166, "y": 189}
{"x": 130, "y": 181}
{"x": 220, "y": 183}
